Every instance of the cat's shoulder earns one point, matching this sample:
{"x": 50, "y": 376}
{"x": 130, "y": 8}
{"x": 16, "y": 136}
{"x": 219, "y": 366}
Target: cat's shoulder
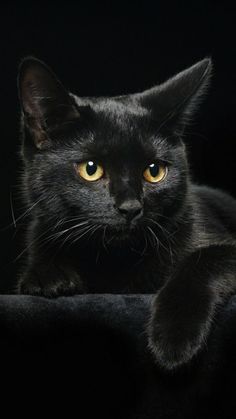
{"x": 212, "y": 196}
{"x": 214, "y": 208}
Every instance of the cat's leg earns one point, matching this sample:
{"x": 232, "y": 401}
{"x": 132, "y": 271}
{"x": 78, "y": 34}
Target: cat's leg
{"x": 50, "y": 279}
{"x": 184, "y": 309}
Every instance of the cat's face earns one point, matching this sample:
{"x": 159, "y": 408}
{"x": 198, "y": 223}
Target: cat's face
{"x": 117, "y": 164}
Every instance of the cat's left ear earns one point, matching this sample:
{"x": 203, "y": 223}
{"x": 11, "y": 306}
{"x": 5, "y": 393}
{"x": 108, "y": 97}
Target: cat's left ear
{"x": 173, "y": 103}
{"x": 45, "y": 103}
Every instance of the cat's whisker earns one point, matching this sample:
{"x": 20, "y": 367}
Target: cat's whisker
{"x": 158, "y": 241}
{"x": 58, "y": 224}
{"x": 69, "y": 219}
{"x": 84, "y": 233}
{"x": 59, "y": 234}
{"x": 12, "y": 210}
{"x": 146, "y": 243}
{"x": 162, "y": 216}
{"x": 95, "y": 229}
{"x": 74, "y": 226}
{"x": 155, "y": 238}
{"x": 97, "y": 257}
{"x": 158, "y": 225}
{"x": 27, "y": 212}
{"x": 53, "y": 237}
{"x": 74, "y": 233}
{"x": 22, "y": 216}
{"x": 104, "y": 239}
{"x": 167, "y": 237}
{"x": 110, "y": 240}
{"x": 30, "y": 245}
{"x": 46, "y": 240}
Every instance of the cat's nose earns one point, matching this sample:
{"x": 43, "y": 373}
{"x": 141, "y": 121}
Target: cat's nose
{"x": 130, "y": 209}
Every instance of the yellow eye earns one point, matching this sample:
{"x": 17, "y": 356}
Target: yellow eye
{"x": 90, "y": 171}
{"x": 155, "y": 172}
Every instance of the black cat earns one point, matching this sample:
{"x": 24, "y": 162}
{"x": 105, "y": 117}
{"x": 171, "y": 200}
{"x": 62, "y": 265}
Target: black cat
{"x": 113, "y": 208}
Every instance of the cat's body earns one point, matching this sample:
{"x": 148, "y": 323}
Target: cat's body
{"x": 113, "y": 208}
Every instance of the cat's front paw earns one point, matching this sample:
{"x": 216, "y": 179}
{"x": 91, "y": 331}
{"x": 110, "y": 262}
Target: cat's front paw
{"x": 172, "y": 348}
{"x": 176, "y": 333}
{"x": 50, "y": 283}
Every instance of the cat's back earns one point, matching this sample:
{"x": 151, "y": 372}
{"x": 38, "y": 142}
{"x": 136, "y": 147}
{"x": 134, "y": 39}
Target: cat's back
{"x": 214, "y": 214}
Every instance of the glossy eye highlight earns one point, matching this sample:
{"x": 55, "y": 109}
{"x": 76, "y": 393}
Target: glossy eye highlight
{"x": 89, "y": 170}
{"x": 155, "y": 172}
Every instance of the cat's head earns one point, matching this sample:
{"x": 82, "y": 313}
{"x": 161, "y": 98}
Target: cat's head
{"x": 115, "y": 163}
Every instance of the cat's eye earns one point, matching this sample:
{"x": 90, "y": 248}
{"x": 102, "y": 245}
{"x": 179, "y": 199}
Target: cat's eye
{"x": 155, "y": 172}
{"x": 89, "y": 170}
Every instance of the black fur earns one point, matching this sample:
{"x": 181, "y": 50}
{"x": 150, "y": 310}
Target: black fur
{"x": 85, "y": 237}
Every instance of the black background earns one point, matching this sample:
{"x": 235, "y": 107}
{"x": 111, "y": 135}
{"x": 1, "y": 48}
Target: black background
{"x": 99, "y": 49}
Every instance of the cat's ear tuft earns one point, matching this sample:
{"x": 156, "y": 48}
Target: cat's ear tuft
{"x": 174, "y": 102}
{"x": 44, "y": 101}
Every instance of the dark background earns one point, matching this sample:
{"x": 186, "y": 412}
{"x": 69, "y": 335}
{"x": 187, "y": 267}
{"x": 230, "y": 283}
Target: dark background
{"x": 104, "y": 50}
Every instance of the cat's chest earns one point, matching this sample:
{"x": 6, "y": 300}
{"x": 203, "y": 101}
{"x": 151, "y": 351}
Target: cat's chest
{"x": 123, "y": 276}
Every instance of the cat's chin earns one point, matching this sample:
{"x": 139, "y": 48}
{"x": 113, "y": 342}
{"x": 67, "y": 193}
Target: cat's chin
{"x": 116, "y": 235}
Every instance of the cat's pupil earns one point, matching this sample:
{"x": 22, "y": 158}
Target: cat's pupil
{"x": 91, "y": 168}
{"x": 154, "y": 169}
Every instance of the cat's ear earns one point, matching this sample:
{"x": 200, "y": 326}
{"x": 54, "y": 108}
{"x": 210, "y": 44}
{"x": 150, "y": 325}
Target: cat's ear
{"x": 45, "y": 103}
{"x": 174, "y": 102}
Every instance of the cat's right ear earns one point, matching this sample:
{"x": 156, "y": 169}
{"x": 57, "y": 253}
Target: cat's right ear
{"x": 173, "y": 103}
{"x": 45, "y": 103}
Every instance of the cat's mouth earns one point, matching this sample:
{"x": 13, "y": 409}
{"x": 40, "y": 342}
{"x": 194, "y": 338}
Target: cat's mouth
{"x": 121, "y": 233}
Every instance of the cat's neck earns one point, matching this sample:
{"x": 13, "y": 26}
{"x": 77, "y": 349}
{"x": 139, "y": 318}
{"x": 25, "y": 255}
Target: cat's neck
{"x": 127, "y": 260}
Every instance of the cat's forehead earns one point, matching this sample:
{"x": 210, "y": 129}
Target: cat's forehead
{"x": 121, "y": 110}
{"x": 121, "y": 106}
{"x": 121, "y": 128}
